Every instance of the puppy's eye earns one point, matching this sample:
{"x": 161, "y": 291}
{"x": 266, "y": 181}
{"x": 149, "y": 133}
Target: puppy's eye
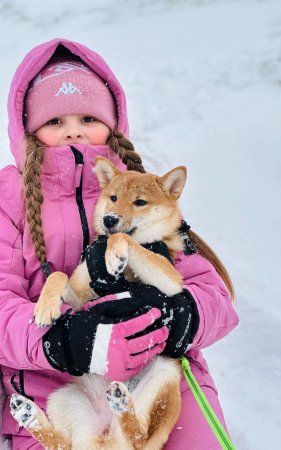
{"x": 113, "y": 198}
{"x": 140, "y": 202}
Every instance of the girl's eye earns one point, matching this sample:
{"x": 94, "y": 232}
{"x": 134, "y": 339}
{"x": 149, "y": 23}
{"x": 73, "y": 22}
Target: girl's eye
{"x": 113, "y": 198}
{"x": 54, "y": 121}
{"x": 140, "y": 202}
{"x": 89, "y": 119}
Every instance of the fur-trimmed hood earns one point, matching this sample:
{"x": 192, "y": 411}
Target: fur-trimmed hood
{"x": 32, "y": 64}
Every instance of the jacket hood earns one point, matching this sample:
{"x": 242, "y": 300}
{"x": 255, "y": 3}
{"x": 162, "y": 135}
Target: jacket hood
{"x": 31, "y": 65}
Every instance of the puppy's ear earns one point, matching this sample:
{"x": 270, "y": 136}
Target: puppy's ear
{"x": 173, "y": 182}
{"x": 105, "y": 171}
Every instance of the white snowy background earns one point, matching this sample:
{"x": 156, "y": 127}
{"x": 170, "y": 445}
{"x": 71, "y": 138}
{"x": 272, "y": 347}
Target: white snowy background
{"x": 203, "y": 83}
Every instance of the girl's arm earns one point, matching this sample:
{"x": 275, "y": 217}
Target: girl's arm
{"x": 21, "y": 341}
{"x": 217, "y": 316}
{"x": 20, "y": 338}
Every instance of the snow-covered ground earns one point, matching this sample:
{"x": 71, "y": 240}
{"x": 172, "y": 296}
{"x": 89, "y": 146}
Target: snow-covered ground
{"x": 203, "y": 82}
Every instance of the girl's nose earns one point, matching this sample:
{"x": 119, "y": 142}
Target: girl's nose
{"x": 74, "y": 132}
{"x": 74, "y": 135}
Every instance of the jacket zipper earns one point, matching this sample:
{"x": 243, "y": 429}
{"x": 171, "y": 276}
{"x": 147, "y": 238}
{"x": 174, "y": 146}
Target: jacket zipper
{"x": 79, "y": 162}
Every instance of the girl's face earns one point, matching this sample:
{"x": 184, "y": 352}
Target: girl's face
{"x": 73, "y": 129}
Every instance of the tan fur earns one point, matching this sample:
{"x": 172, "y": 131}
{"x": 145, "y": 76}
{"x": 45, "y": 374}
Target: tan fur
{"x": 158, "y": 220}
{"x": 154, "y": 405}
{"x": 47, "y": 308}
{"x": 79, "y": 283}
{"x": 163, "y": 411}
{"x": 51, "y": 440}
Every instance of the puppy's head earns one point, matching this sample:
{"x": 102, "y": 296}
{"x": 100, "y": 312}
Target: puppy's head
{"x": 141, "y": 205}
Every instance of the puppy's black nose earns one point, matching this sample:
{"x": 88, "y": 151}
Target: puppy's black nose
{"x": 110, "y": 221}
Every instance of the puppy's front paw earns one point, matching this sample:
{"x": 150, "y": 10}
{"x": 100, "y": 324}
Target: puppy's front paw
{"x": 115, "y": 264}
{"x": 116, "y": 255}
{"x": 47, "y": 311}
{"x": 118, "y": 397}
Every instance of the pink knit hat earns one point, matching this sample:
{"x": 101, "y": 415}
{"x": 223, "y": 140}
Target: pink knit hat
{"x": 67, "y": 87}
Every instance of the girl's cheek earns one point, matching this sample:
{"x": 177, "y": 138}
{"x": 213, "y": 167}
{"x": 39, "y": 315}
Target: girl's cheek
{"x": 47, "y": 136}
{"x": 99, "y": 135}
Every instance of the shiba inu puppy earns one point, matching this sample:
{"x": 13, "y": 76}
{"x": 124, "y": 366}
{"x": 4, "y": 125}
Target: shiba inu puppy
{"x": 132, "y": 209}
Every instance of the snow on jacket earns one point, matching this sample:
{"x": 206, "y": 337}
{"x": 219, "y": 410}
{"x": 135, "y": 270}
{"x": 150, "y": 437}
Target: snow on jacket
{"x": 21, "y": 278}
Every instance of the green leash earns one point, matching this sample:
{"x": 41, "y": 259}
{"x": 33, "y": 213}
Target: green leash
{"x": 205, "y": 407}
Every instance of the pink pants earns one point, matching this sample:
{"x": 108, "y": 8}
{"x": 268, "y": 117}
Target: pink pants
{"x": 191, "y": 432}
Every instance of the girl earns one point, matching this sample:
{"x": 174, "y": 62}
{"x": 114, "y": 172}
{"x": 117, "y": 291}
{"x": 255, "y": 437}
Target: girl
{"x": 65, "y": 108}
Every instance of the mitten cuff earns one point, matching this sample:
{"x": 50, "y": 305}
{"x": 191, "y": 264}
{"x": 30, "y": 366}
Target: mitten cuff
{"x": 55, "y": 346}
{"x": 184, "y": 324}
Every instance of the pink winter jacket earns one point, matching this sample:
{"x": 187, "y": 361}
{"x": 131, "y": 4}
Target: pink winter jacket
{"x": 21, "y": 278}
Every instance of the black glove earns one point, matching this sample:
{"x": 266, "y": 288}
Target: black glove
{"x": 74, "y": 345}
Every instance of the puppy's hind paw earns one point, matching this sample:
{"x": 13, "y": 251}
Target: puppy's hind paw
{"x": 118, "y": 397}
{"x": 22, "y": 410}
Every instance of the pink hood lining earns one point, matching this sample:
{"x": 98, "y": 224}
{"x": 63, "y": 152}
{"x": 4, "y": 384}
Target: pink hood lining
{"x": 31, "y": 65}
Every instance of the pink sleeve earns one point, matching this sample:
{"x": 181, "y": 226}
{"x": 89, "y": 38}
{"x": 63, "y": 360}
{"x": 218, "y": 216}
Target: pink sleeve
{"x": 20, "y": 338}
{"x": 217, "y": 316}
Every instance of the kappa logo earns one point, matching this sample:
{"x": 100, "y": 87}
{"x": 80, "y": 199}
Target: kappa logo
{"x": 67, "y": 89}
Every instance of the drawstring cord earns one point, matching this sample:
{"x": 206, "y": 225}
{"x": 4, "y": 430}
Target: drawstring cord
{"x": 20, "y": 389}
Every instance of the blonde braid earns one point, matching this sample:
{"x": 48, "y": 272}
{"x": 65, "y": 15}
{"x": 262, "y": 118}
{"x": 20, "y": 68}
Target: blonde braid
{"x": 33, "y": 194}
{"x": 210, "y": 255}
{"x": 125, "y": 150}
